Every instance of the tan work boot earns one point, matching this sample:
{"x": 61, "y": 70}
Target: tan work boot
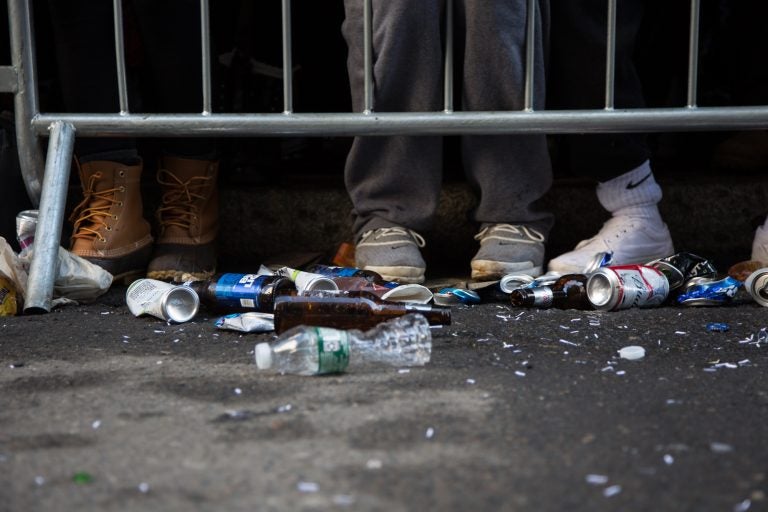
{"x": 188, "y": 220}
{"x": 109, "y": 229}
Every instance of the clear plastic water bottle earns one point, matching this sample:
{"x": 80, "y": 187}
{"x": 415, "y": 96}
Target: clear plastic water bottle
{"x": 305, "y": 350}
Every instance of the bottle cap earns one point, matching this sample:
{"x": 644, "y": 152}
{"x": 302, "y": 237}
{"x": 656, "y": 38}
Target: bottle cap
{"x": 632, "y": 352}
{"x": 263, "y": 355}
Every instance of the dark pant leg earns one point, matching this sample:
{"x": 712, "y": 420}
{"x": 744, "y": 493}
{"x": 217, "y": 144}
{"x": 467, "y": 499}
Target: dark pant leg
{"x": 396, "y": 180}
{"x": 576, "y": 80}
{"x": 85, "y": 52}
{"x": 511, "y": 172}
{"x": 170, "y": 33}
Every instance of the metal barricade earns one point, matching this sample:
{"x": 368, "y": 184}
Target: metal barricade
{"x": 48, "y": 188}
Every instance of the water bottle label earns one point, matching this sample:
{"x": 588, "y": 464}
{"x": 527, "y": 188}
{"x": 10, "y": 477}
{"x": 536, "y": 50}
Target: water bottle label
{"x": 332, "y": 349}
{"x": 239, "y": 290}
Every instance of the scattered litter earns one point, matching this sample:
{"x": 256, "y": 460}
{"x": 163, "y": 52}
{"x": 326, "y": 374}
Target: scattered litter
{"x": 565, "y": 327}
{"x": 374, "y": 464}
{"x": 144, "y": 487}
{"x": 430, "y": 433}
{"x": 597, "y": 479}
{"x": 238, "y": 391}
{"x": 284, "y": 408}
{"x": 15, "y": 365}
{"x": 470, "y": 381}
{"x": 743, "y": 362}
{"x": 519, "y": 373}
{"x": 39, "y": 480}
{"x": 621, "y": 372}
{"x": 404, "y": 370}
{"x": 82, "y": 477}
{"x": 668, "y": 459}
{"x": 680, "y": 332}
{"x": 720, "y": 447}
{"x": 307, "y": 487}
{"x": 743, "y": 506}
{"x": 607, "y": 369}
{"x": 104, "y": 313}
{"x": 96, "y": 424}
{"x": 717, "y": 327}
{"x": 158, "y": 331}
{"x": 673, "y": 401}
{"x": 252, "y": 321}
{"x": 343, "y": 500}
{"x": 611, "y": 491}
{"x": 568, "y": 342}
{"x": 632, "y": 352}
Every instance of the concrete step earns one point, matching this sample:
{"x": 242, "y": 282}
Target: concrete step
{"x": 713, "y": 215}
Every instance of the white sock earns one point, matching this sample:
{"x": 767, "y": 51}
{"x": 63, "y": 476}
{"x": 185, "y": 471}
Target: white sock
{"x": 634, "y": 193}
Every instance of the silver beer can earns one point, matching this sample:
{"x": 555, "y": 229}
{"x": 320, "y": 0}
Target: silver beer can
{"x": 26, "y": 224}
{"x": 169, "y": 302}
{"x": 757, "y": 286}
{"x": 625, "y": 286}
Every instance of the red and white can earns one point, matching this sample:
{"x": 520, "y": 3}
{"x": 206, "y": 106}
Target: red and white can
{"x": 626, "y": 286}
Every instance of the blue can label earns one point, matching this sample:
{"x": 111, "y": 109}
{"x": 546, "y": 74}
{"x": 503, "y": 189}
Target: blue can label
{"x": 240, "y": 290}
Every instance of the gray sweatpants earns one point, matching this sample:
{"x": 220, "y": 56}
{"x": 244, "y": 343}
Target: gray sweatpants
{"x": 397, "y": 180}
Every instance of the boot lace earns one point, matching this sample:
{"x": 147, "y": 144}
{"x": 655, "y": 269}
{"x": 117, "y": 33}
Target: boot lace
{"x": 179, "y": 208}
{"x": 94, "y": 209}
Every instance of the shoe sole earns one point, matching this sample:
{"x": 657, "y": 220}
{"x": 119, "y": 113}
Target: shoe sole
{"x": 487, "y": 270}
{"x": 408, "y": 275}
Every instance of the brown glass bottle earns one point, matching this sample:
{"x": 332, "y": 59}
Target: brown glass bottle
{"x": 358, "y": 310}
{"x": 568, "y": 292}
{"x": 242, "y": 292}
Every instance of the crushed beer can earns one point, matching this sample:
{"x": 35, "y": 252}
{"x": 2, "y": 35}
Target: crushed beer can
{"x": 707, "y": 291}
{"x": 625, "y": 286}
{"x": 451, "y": 296}
{"x": 172, "y": 303}
{"x": 757, "y": 286}
{"x": 682, "y": 267}
{"x": 26, "y": 224}
{"x": 601, "y": 259}
{"x": 307, "y": 281}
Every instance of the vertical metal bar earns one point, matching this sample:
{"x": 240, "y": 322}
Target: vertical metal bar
{"x": 448, "y": 89}
{"x": 530, "y": 54}
{"x": 25, "y": 105}
{"x": 368, "y": 56}
{"x": 287, "y": 59}
{"x": 610, "y": 57}
{"x": 205, "y": 48}
{"x": 42, "y": 271}
{"x": 693, "y": 54}
{"x": 122, "y": 84}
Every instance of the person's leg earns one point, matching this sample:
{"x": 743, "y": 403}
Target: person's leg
{"x": 188, "y": 216}
{"x": 619, "y": 162}
{"x": 394, "y": 182}
{"x": 511, "y": 172}
{"x": 109, "y": 228}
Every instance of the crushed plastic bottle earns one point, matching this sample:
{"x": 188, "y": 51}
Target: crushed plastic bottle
{"x": 306, "y": 350}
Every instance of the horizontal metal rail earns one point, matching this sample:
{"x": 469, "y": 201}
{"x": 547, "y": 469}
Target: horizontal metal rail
{"x": 417, "y": 123}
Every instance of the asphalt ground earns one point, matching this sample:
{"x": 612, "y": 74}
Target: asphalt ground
{"x": 517, "y": 410}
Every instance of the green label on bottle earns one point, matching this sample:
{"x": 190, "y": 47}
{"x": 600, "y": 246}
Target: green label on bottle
{"x": 332, "y": 350}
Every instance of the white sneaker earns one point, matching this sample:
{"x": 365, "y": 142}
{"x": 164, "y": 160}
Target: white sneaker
{"x": 631, "y": 240}
{"x": 760, "y": 245}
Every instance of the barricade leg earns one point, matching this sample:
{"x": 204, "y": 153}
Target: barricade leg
{"x": 42, "y": 272}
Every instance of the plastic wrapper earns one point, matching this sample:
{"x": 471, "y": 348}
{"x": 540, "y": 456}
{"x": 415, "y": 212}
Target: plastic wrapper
{"x": 77, "y": 279}
{"x": 13, "y": 281}
{"x": 251, "y": 321}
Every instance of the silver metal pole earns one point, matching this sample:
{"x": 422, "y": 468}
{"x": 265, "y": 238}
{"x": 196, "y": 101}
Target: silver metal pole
{"x": 610, "y": 57}
{"x": 287, "y": 59}
{"x": 44, "y": 267}
{"x": 25, "y": 104}
{"x": 368, "y": 56}
{"x": 530, "y": 54}
{"x": 122, "y": 84}
{"x": 411, "y": 123}
{"x": 693, "y": 54}
{"x": 205, "y": 47}
{"x": 448, "y": 89}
